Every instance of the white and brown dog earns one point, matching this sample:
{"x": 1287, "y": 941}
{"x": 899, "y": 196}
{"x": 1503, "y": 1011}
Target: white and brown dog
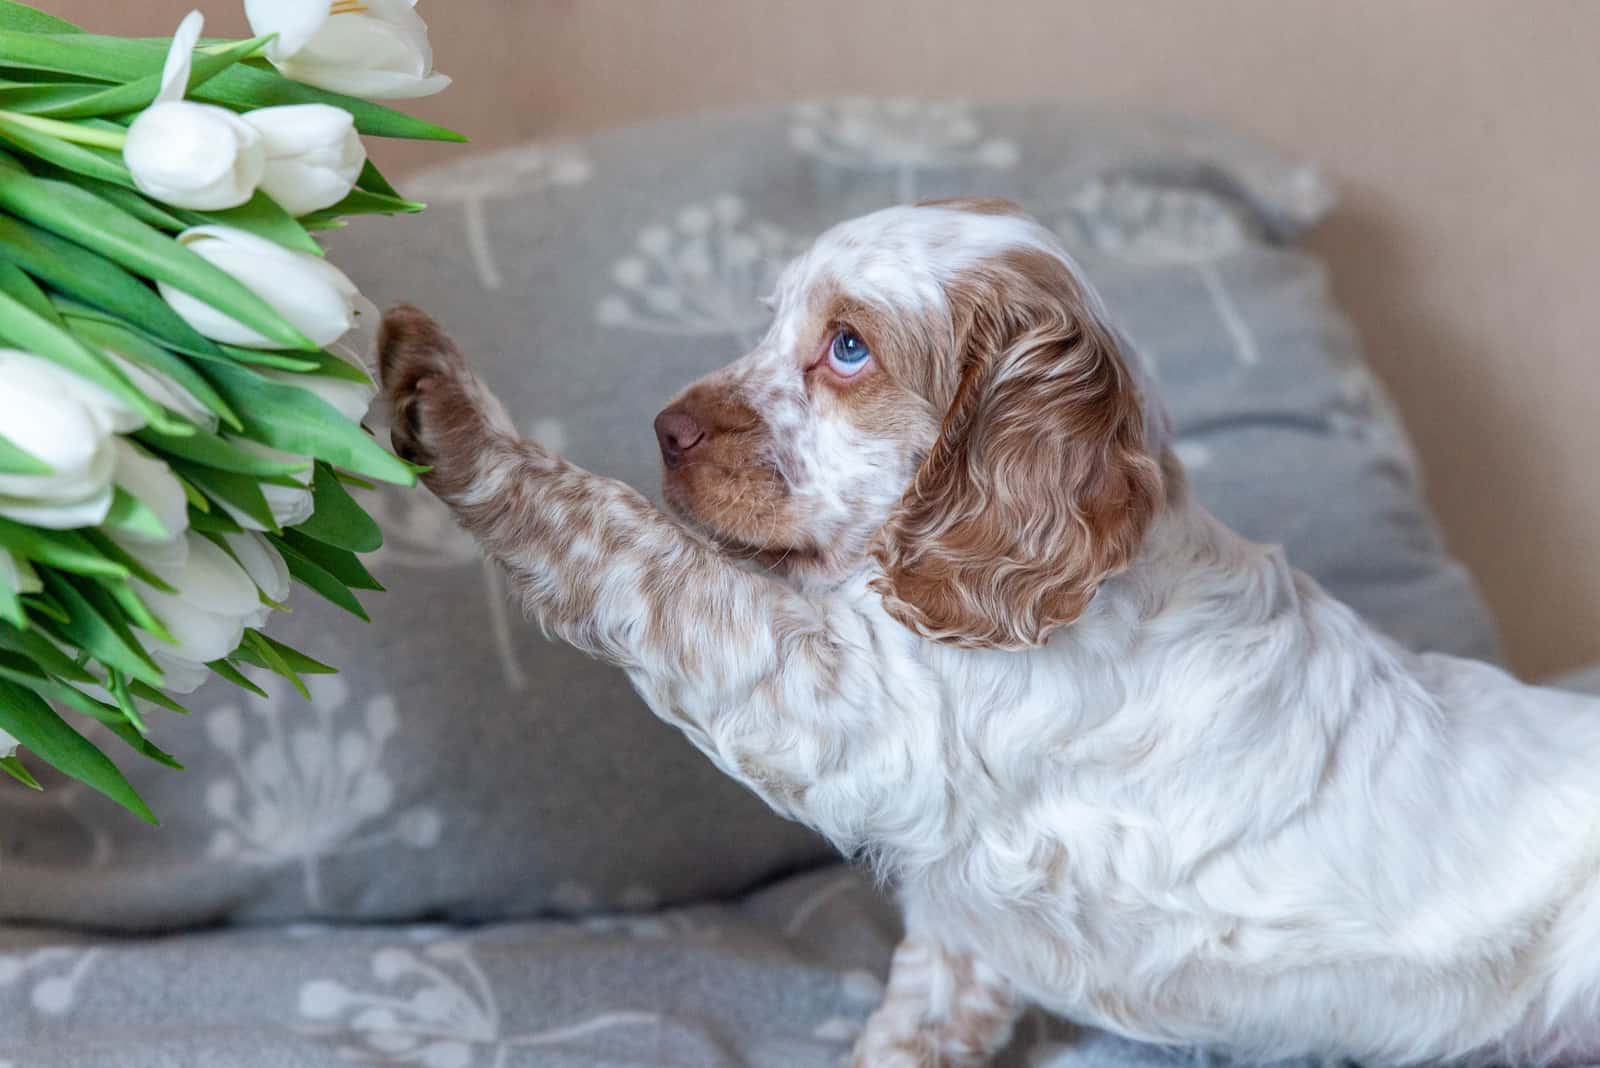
{"x": 947, "y": 600}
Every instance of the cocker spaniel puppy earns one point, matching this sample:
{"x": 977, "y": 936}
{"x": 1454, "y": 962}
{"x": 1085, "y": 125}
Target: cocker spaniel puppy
{"x": 937, "y": 589}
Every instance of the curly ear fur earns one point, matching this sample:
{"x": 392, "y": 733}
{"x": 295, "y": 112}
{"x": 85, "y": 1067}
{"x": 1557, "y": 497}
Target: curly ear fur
{"x": 1040, "y": 484}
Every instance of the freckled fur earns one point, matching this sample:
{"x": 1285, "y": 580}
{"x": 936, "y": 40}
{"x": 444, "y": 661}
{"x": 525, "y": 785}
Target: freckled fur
{"x": 1162, "y": 784}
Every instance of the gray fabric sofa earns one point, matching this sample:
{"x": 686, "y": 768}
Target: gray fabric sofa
{"x": 474, "y": 849}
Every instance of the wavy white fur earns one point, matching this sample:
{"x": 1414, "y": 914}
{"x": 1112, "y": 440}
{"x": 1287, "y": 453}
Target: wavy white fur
{"x": 1208, "y": 806}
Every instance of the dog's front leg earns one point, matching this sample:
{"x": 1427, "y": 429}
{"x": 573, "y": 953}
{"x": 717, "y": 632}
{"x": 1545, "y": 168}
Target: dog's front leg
{"x": 741, "y": 663}
{"x": 942, "y": 1009}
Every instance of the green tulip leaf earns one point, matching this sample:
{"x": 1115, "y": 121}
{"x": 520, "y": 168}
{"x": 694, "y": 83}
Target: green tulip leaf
{"x": 11, "y": 610}
{"x": 242, "y": 492}
{"x": 242, "y": 86}
{"x": 42, "y": 651}
{"x": 136, "y": 204}
{"x": 253, "y": 650}
{"x": 86, "y": 220}
{"x": 153, "y": 357}
{"x": 96, "y": 625}
{"x": 98, "y": 163}
{"x": 16, "y": 16}
{"x": 372, "y": 180}
{"x": 262, "y": 216}
{"x": 338, "y": 519}
{"x": 66, "y": 550}
{"x": 29, "y": 718}
{"x": 130, "y": 515}
{"x": 213, "y": 450}
{"x": 342, "y": 564}
{"x": 232, "y": 674}
{"x": 303, "y": 423}
{"x": 318, "y": 579}
{"x": 99, "y": 284}
{"x": 364, "y": 202}
{"x": 115, "y": 718}
{"x": 16, "y": 284}
{"x": 13, "y": 767}
{"x": 138, "y": 95}
{"x": 115, "y": 553}
{"x": 278, "y": 361}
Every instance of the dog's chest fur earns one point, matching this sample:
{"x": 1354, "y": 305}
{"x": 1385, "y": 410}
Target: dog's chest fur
{"x": 1232, "y": 814}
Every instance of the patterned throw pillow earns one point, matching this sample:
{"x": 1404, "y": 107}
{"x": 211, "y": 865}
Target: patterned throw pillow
{"x": 462, "y": 767}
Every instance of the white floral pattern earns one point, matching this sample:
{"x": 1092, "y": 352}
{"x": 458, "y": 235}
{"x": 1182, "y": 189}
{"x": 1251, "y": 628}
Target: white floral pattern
{"x": 902, "y": 136}
{"x": 1144, "y": 222}
{"x": 55, "y": 974}
{"x": 308, "y": 782}
{"x": 475, "y": 181}
{"x": 450, "y": 1019}
{"x": 703, "y": 274}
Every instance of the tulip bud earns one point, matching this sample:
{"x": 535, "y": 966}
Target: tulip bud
{"x": 56, "y": 417}
{"x": 195, "y": 156}
{"x": 314, "y": 155}
{"x": 264, "y": 566}
{"x": 312, "y": 294}
{"x": 8, "y": 745}
{"x": 215, "y": 600}
{"x": 376, "y": 49}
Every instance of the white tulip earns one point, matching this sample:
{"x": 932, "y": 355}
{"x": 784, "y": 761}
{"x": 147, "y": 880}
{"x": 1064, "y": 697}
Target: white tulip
{"x": 265, "y": 568}
{"x": 189, "y": 155}
{"x": 290, "y": 505}
{"x": 164, "y": 391}
{"x": 377, "y": 49}
{"x": 67, "y": 424}
{"x": 8, "y": 745}
{"x": 314, "y": 155}
{"x": 151, "y": 482}
{"x": 215, "y": 600}
{"x": 350, "y": 398}
{"x": 308, "y": 291}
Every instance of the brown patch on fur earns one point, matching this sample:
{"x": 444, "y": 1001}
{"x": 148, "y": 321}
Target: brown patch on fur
{"x": 728, "y": 482}
{"x": 938, "y": 1012}
{"x": 1039, "y": 486}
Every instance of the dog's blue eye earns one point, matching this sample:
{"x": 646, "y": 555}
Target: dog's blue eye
{"x": 848, "y": 354}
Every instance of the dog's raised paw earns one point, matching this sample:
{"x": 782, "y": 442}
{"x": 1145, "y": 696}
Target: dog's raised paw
{"x": 418, "y": 366}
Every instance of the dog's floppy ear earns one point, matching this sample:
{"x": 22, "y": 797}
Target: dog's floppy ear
{"x": 1040, "y": 484}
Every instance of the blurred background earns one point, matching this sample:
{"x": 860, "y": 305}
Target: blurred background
{"x": 1459, "y": 133}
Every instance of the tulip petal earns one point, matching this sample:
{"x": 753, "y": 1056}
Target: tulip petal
{"x": 301, "y": 188}
{"x": 175, "y": 73}
{"x": 369, "y": 84}
{"x": 178, "y": 675}
{"x": 196, "y": 156}
{"x": 165, "y": 392}
{"x": 314, "y": 155}
{"x": 312, "y": 294}
{"x": 153, "y": 484}
{"x": 59, "y": 515}
{"x": 294, "y": 21}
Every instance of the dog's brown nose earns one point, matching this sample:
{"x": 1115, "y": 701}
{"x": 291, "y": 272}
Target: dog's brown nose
{"x": 677, "y": 432}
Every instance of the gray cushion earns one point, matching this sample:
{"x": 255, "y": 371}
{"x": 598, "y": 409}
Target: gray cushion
{"x": 464, "y": 768}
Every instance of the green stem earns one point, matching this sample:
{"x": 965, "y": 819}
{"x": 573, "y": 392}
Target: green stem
{"x": 67, "y": 131}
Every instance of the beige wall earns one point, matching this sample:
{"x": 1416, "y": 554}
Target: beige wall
{"x": 1462, "y": 133}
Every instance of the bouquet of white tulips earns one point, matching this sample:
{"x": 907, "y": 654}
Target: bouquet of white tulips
{"x": 180, "y": 406}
